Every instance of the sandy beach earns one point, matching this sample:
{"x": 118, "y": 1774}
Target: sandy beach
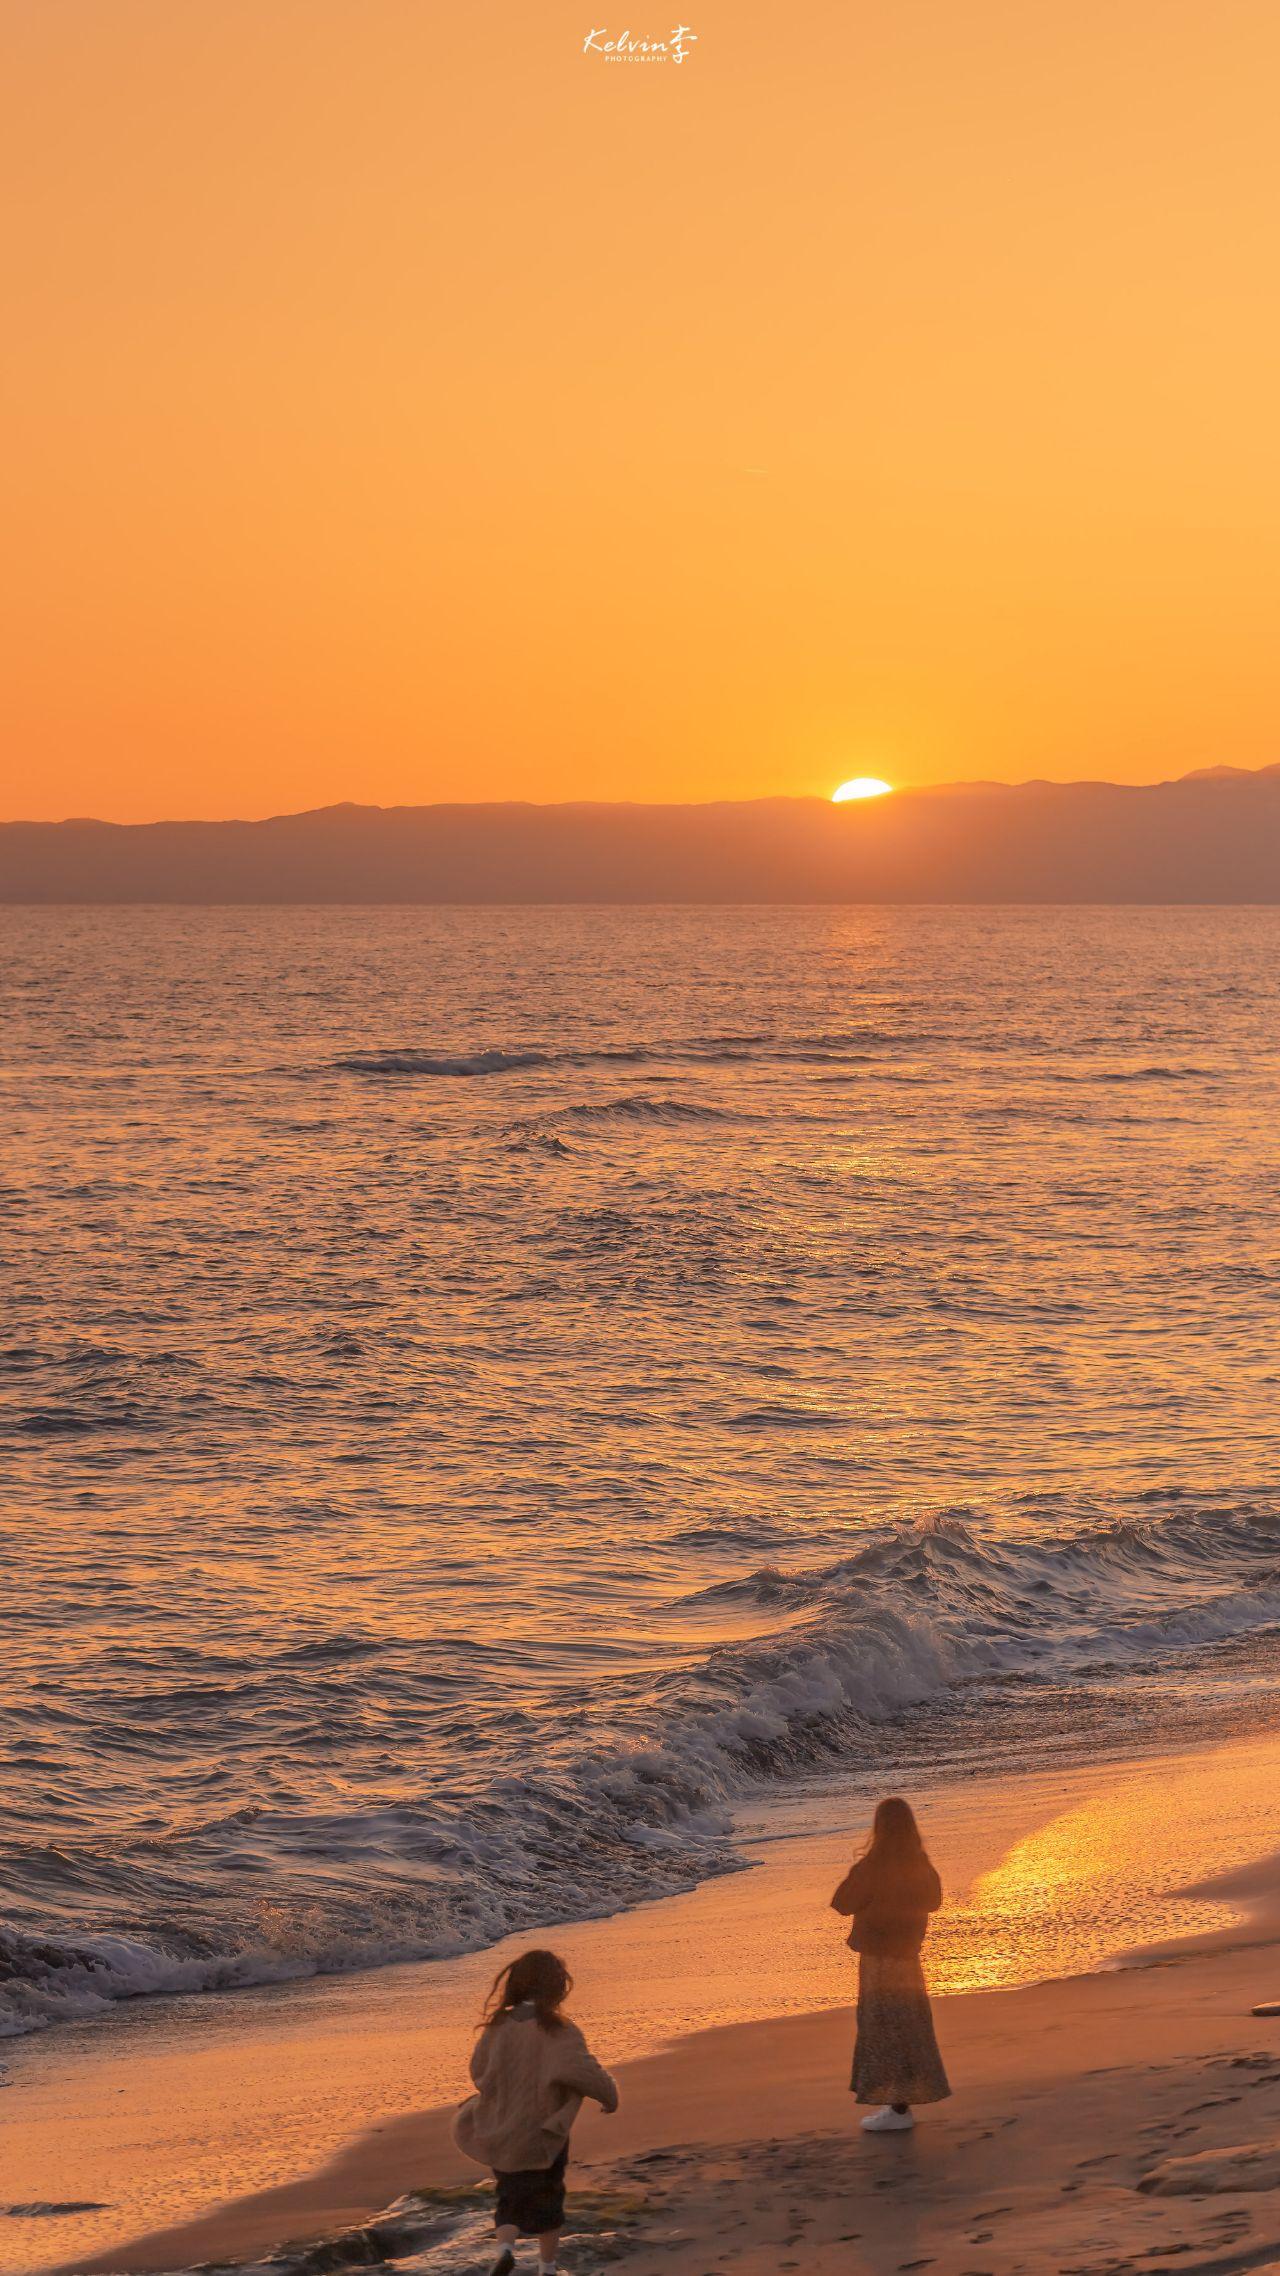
{"x": 1115, "y": 2121}
{"x": 1079, "y": 2100}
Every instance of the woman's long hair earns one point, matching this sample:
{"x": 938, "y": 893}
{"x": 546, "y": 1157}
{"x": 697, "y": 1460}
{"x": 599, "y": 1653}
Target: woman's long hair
{"x": 895, "y": 1851}
{"x": 538, "y": 1976}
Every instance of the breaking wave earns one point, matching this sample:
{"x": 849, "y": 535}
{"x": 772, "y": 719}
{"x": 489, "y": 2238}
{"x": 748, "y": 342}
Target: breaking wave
{"x": 637, "y": 1802}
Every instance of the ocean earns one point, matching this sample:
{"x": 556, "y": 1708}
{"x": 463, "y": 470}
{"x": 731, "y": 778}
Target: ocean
{"x": 486, "y": 1396}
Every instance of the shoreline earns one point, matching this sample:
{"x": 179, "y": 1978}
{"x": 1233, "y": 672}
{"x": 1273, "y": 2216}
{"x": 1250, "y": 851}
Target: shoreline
{"x": 216, "y": 2122}
{"x": 1042, "y": 2050}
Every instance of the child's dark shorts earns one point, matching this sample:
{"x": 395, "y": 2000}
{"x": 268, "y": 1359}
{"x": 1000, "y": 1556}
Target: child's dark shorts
{"x": 532, "y": 2202}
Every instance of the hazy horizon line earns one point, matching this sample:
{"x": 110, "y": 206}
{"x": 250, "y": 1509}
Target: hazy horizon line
{"x": 1219, "y": 773}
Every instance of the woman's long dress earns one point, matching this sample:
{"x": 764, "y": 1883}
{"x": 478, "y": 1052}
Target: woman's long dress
{"x": 895, "y": 2054}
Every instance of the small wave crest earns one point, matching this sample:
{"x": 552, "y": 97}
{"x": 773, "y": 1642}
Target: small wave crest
{"x": 540, "y": 1133}
{"x": 413, "y": 1062}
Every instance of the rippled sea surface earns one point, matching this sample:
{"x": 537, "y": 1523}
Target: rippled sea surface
{"x": 483, "y": 1391}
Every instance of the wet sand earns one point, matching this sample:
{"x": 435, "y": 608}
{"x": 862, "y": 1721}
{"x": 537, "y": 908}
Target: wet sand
{"x": 1069, "y": 2093}
{"x": 1073, "y": 2143}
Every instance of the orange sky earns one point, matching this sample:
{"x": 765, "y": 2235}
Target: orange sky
{"x": 410, "y": 406}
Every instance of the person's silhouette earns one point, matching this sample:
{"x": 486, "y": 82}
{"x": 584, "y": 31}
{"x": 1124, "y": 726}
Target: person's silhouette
{"x": 890, "y": 1892}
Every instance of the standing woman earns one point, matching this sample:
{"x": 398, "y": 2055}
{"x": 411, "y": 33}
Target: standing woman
{"x": 890, "y": 1892}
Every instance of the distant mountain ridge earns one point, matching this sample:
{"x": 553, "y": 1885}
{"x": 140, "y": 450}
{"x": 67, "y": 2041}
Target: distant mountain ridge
{"x": 1211, "y": 836}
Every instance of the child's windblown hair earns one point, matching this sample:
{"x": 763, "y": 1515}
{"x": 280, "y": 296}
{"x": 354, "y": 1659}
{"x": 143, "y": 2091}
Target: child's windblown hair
{"x": 538, "y": 1976}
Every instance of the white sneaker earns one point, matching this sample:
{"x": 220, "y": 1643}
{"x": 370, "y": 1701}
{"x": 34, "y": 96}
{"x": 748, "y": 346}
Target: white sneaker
{"x": 888, "y": 2121}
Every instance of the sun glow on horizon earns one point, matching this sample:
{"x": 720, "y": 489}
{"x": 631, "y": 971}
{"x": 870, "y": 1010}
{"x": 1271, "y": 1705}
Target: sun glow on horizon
{"x": 861, "y": 786}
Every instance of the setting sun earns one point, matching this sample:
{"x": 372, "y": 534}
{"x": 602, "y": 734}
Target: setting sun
{"x": 862, "y": 786}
